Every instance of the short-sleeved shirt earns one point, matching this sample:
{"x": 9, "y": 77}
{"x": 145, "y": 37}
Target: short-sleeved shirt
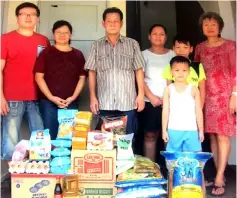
{"x": 155, "y": 64}
{"x": 62, "y": 70}
{"x": 193, "y": 77}
{"x": 115, "y": 68}
{"x": 20, "y": 53}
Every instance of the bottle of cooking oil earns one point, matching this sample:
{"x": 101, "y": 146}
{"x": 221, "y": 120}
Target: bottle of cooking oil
{"x": 70, "y": 184}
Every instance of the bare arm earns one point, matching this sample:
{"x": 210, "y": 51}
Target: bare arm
{"x": 140, "y": 103}
{"x": 92, "y": 83}
{"x": 202, "y": 89}
{"x": 140, "y": 81}
{"x": 169, "y": 82}
{"x": 234, "y": 89}
{"x": 39, "y": 78}
{"x": 94, "y": 104}
{"x": 154, "y": 100}
{"x": 199, "y": 113}
{"x": 232, "y": 102}
{"x": 4, "y": 104}
{"x": 3, "y": 62}
{"x": 148, "y": 92}
{"x": 165, "y": 114}
{"x": 79, "y": 87}
{"x": 77, "y": 91}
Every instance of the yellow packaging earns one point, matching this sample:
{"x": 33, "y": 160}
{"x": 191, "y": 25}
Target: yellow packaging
{"x": 79, "y": 143}
{"x": 82, "y": 121}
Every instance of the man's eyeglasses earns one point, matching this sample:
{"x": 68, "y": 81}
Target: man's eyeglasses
{"x": 26, "y": 15}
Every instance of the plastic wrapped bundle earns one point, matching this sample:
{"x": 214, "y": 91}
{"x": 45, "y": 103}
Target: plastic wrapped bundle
{"x": 60, "y": 165}
{"x": 60, "y": 169}
{"x": 60, "y": 152}
{"x": 60, "y": 161}
{"x": 21, "y": 151}
{"x": 61, "y": 143}
{"x": 144, "y": 172}
{"x": 142, "y": 192}
{"x": 186, "y": 174}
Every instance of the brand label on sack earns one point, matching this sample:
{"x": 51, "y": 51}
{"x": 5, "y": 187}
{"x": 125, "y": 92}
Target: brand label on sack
{"x": 110, "y": 125}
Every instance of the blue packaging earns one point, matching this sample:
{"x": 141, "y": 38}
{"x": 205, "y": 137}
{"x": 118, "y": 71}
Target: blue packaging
{"x": 66, "y": 123}
{"x": 186, "y": 173}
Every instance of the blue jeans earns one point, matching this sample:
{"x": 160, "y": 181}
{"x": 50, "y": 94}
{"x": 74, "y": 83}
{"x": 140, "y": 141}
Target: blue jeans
{"x": 11, "y": 124}
{"x": 49, "y": 112}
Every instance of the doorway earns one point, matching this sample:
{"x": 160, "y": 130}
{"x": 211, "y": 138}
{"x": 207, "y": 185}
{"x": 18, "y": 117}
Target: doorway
{"x": 172, "y": 14}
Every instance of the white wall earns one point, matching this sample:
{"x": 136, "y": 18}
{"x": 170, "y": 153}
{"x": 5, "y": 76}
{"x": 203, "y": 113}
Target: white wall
{"x": 226, "y": 10}
{"x": 2, "y": 14}
{"x": 210, "y": 6}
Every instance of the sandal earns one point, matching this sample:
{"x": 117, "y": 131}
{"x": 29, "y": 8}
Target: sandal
{"x": 209, "y": 183}
{"x": 215, "y": 188}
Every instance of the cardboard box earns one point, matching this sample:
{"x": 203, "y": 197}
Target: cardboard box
{"x": 94, "y": 166}
{"x": 97, "y": 190}
{"x": 33, "y": 186}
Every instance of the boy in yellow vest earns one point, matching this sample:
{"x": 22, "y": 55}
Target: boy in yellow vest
{"x": 182, "y": 47}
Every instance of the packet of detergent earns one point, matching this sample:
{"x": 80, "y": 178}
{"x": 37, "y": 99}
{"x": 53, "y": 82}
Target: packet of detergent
{"x": 66, "y": 123}
{"x": 124, "y": 144}
{"x": 186, "y": 174}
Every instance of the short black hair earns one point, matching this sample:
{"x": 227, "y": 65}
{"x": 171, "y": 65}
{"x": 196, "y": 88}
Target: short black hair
{"x": 179, "y": 59}
{"x": 157, "y": 25}
{"x": 61, "y": 23}
{"x": 112, "y": 10}
{"x": 212, "y": 15}
{"x": 27, "y": 5}
{"x": 181, "y": 38}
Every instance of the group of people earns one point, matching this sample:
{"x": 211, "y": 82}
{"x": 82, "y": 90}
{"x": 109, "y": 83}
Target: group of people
{"x": 163, "y": 87}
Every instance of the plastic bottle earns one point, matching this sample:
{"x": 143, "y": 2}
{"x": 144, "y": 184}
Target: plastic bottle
{"x": 70, "y": 184}
{"x": 58, "y": 192}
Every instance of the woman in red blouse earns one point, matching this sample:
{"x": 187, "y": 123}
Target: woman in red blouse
{"x": 60, "y": 75}
{"x": 218, "y": 56}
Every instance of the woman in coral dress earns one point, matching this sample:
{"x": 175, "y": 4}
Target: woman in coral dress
{"x": 218, "y": 56}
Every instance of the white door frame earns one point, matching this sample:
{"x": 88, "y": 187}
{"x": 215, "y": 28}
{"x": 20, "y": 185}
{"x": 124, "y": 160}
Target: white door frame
{"x": 4, "y": 16}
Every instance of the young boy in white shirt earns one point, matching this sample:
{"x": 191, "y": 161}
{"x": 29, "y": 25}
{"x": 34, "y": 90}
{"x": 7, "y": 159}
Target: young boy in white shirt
{"x": 182, "y": 117}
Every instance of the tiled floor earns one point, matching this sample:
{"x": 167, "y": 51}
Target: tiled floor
{"x": 230, "y": 185}
{"x": 230, "y": 191}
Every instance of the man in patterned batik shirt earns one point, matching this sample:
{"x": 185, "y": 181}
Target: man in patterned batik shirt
{"x": 115, "y": 64}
